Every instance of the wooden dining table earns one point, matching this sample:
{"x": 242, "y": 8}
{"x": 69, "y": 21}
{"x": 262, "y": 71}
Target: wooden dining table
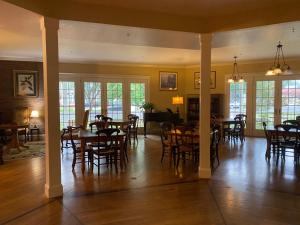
{"x": 14, "y": 142}
{"x": 86, "y": 136}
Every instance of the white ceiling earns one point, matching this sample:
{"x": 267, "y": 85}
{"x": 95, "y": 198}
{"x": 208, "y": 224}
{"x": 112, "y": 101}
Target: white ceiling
{"x": 20, "y": 38}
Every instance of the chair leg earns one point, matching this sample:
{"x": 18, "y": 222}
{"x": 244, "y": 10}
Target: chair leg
{"x": 162, "y": 155}
{"x": 74, "y": 161}
{"x": 137, "y": 140}
{"x": 217, "y": 155}
{"x": 178, "y": 158}
{"x": 98, "y": 164}
{"x": 116, "y": 161}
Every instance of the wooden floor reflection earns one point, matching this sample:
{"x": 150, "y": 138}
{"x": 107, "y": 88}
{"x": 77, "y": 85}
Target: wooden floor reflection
{"x": 244, "y": 189}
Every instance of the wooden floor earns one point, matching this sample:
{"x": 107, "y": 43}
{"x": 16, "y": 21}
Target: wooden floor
{"x": 244, "y": 190}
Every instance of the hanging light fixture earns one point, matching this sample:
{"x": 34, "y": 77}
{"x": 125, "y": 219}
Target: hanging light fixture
{"x": 235, "y": 77}
{"x": 277, "y": 68}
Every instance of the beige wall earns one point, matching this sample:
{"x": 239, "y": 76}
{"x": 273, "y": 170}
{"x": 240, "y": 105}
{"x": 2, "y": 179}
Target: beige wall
{"x": 162, "y": 99}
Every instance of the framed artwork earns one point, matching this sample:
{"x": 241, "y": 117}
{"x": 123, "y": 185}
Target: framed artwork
{"x": 212, "y": 80}
{"x": 25, "y": 83}
{"x": 167, "y": 81}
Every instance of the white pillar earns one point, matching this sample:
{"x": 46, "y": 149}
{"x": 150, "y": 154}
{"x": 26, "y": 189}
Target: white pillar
{"x": 205, "y": 68}
{"x": 49, "y": 28}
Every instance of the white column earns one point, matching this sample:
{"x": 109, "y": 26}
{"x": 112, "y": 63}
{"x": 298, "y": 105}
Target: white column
{"x": 49, "y": 28}
{"x": 205, "y": 68}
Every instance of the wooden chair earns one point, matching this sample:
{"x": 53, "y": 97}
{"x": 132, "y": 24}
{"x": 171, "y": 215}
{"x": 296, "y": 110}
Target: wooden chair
{"x": 186, "y": 145}
{"x": 133, "y": 131}
{"x": 167, "y": 142}
{"x": 272, "y": 141}
{"x": 238, "y": 131}
{"x": 21, "y": 117}
{"x": 100, "y": 125}
{"x": 290, "y": 140}
{"x": 107, "y": 119}
{"x": 64, "y": 137}
{"x": 77, "y": 148}
{"x": 99, "y": 117}
{"x": 105, "y": 148}
{"x": 214, "y": 148}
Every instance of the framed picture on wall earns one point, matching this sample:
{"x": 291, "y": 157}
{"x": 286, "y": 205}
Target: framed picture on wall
{"x": 212, "y": 80}
{"x": 25, "y": 83}
{"x": 167, "y": 81}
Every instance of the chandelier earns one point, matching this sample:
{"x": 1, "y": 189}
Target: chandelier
{"x": 277, "y": 68}
{"x": 235, "y": 77}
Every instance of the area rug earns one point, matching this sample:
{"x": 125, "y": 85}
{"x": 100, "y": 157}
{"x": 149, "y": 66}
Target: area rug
{"x": 36, "y": 149}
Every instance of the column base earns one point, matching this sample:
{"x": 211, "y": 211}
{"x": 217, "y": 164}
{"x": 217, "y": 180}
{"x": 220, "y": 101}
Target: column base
{"x": 54, "y": 191}
{"x": 205, "y": 173}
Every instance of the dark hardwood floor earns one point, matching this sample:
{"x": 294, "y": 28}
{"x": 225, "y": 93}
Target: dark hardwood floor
{"x": 244, "y": 189}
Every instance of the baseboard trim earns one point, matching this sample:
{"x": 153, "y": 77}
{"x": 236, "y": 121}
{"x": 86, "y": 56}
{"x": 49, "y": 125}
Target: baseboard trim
{"x": 53, "y": 191}
{"x": 205, "y": 173}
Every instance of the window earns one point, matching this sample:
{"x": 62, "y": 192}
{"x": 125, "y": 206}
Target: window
{"x": 115, "y": 100}
{"x": 67, "y": 103}
{"x": 238, "y": 98}
{"x": 265, "y": 101}
{"x": 290, "y": 102}
{"x": 137, "y": 98}
{"x": 92, "y": 99}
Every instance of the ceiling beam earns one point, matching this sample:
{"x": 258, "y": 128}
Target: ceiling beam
{"x": 70, "y": 10}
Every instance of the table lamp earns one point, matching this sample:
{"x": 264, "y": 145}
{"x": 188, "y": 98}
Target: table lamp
{"x": 177, "y": 101}
{"x": 34, "y": 114}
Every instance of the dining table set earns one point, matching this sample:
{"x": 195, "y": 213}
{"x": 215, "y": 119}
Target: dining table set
{"x": 181, "y": 143}
{"x": 14, "y": 129}
{"x": 231, "y": 129}
{"x": 283, "y": 140}
{"x": 104, "y": 139}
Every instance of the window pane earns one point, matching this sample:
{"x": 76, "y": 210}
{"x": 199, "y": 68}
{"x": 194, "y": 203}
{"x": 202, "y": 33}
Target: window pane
{"x": 264, "y": 104}
{"x": 115, "y": 100}
{"x": 238, "y": 99}
{"x": 92, "y": 99}
{"x": 290, "y": 102}
{"x": 67, "y": 103}
{"x": 137, "y": 98}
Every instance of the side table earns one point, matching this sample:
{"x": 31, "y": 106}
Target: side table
{"x": 37, "y": 132}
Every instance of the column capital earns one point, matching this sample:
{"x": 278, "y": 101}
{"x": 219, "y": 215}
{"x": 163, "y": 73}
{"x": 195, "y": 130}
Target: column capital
{"x": 49, "y": 23}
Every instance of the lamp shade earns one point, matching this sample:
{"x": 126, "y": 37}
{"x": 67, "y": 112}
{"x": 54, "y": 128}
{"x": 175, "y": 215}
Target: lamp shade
{"x": 34, "y": 114}
{"x": 177, "y": 100}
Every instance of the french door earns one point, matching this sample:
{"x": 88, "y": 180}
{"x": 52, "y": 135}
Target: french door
{"x": 114, "y": 96}
{"x": 275, "y": 99}
{"x": 103, "y": 96}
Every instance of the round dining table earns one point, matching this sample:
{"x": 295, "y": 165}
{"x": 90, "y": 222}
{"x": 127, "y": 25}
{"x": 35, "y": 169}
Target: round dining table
{"x": 14, "y": 142}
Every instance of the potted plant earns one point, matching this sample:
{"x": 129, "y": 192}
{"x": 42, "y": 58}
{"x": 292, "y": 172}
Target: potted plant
{"x": 147, "y": 107}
